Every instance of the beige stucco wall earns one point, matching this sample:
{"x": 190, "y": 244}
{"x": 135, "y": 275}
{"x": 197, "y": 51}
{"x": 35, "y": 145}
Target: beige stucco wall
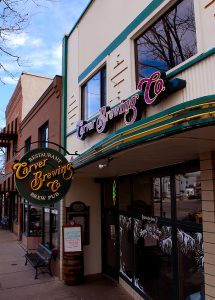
{"x": 87, "y": 191}
{"x": 33, "y": 87}
{"x": 101, "y": 24}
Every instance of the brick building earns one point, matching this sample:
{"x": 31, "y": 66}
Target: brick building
{"x": 28, "y": 89}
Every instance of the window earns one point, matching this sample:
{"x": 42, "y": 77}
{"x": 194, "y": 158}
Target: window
{"x": 14, "y": 147}
{"x": 15, "y": 208}
{"x": 44, "y": 135}
{"x": 160, "y": 231}
{"x": 188, "y": 197}
{"x": 168, "y": 42}
{"x": 31, "y": 219}
{"x": 50, "y": 227}
{"x": 46, "y": 231}
{"x": 8, "y": 152}
{"x": 28, "y": 145}
{"x": 94, "y": 94}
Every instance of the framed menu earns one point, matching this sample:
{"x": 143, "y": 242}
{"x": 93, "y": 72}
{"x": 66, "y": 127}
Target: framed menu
{"x": 72, "y": 238}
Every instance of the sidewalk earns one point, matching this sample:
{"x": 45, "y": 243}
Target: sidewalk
{"x": 17, "y": 280}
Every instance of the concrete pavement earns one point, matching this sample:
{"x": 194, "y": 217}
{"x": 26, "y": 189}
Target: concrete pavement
{"x": 17, "y": 280}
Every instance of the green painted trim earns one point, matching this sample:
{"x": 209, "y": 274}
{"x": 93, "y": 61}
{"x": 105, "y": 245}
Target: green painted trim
{"x": 164, "y": 133}
{"x": 121, "y": 37}
{"x": 165, "y": 122}
{"x": 71, "y": 132}
{"x": 64, "y": 93}
{"x": 170, "y": 111}
{"x": 173, "y": 130}
{"x": 191, "y": 63}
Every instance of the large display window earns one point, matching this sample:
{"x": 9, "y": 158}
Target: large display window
{"x": 42, "y": 222}
{"x": 160, "y": 232}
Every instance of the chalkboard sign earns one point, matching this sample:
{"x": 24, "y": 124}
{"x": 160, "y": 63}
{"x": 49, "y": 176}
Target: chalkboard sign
{"x": 72, "y": 239}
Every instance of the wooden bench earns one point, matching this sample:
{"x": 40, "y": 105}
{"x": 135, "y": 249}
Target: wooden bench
{"x": 40, "y": 260}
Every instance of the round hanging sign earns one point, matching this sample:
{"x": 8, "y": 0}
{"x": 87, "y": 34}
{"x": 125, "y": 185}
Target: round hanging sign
{"x": 43, "y": 176}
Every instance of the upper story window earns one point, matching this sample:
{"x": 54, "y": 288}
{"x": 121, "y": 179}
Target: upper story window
{"x": 8, "y": 152}
{"x": 168, "y": 42}
{"x": 44, "y": 135}
{"x": 28, "y": 144}
{"x": 94, "y": 94}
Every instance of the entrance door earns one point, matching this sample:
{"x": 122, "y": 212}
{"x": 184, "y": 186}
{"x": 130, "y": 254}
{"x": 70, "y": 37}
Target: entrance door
{"x": 110, "y": 233}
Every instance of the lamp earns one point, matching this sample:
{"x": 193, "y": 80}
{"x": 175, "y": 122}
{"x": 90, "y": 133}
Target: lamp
{"x": 106, "y": 163}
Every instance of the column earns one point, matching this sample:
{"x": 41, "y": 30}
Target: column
{"x": 207, "y": 167}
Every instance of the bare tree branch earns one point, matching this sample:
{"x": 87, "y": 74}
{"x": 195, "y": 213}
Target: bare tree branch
{"x": 13, "y": 21}
{"x": 168, "y": 42}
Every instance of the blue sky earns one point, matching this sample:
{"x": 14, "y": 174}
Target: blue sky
{"x": 39, "y": 45}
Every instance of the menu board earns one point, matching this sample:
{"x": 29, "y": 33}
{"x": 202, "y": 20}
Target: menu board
{"x": 72, "y": 239}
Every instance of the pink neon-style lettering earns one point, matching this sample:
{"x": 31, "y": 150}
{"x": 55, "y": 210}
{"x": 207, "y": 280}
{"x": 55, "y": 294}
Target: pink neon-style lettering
{"x": 158, "y": 87}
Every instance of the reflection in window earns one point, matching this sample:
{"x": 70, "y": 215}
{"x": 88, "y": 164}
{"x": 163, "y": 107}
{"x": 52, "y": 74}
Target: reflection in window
{"x": 108, "y": 194}
{"x": 124, "y": 189}
{"x": 94, "y": 94}
{"x": 126, "y": 247}
{"x": 44, "y": 135}
{"x": 161, "y": 194}
{"x": 188, "y": 197}
{"x": 142, "y": 195}
{"x": 25, "y": 218}
{"x": 54, "y": 227}
{"x": 159, "y": 249}
{"x": 28, "y": 145}
{"x": 153, "y": 259}
{"x": 15, "y": 209}
{"x": 50, "y": 227}
{"x": 190, "y": 264}
{"x": 168, "y": 42}
{"x": 34, "y": 220}
{"x": 47, "y": 226}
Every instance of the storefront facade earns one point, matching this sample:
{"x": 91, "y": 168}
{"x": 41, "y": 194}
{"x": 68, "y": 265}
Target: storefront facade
{"x": 139, "y": 110}
{"x": 20, "y": 103}
{"x": 32, "y": 121}
{"x": 41, "y": 129}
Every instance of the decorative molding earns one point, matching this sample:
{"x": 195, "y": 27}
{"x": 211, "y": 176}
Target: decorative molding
{"x": 186, "y": 116}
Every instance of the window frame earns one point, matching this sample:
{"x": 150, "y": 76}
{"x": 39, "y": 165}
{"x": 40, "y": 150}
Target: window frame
{"x": 15, "y": 208}
{"x": 43, "y": 143}
{"x": 103, "y": 92}
{"x": 171, "y": 8}
{"x": 28, "y": 144}
{"x": 47, "y": 237}
{"x": 28, "y": 219}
